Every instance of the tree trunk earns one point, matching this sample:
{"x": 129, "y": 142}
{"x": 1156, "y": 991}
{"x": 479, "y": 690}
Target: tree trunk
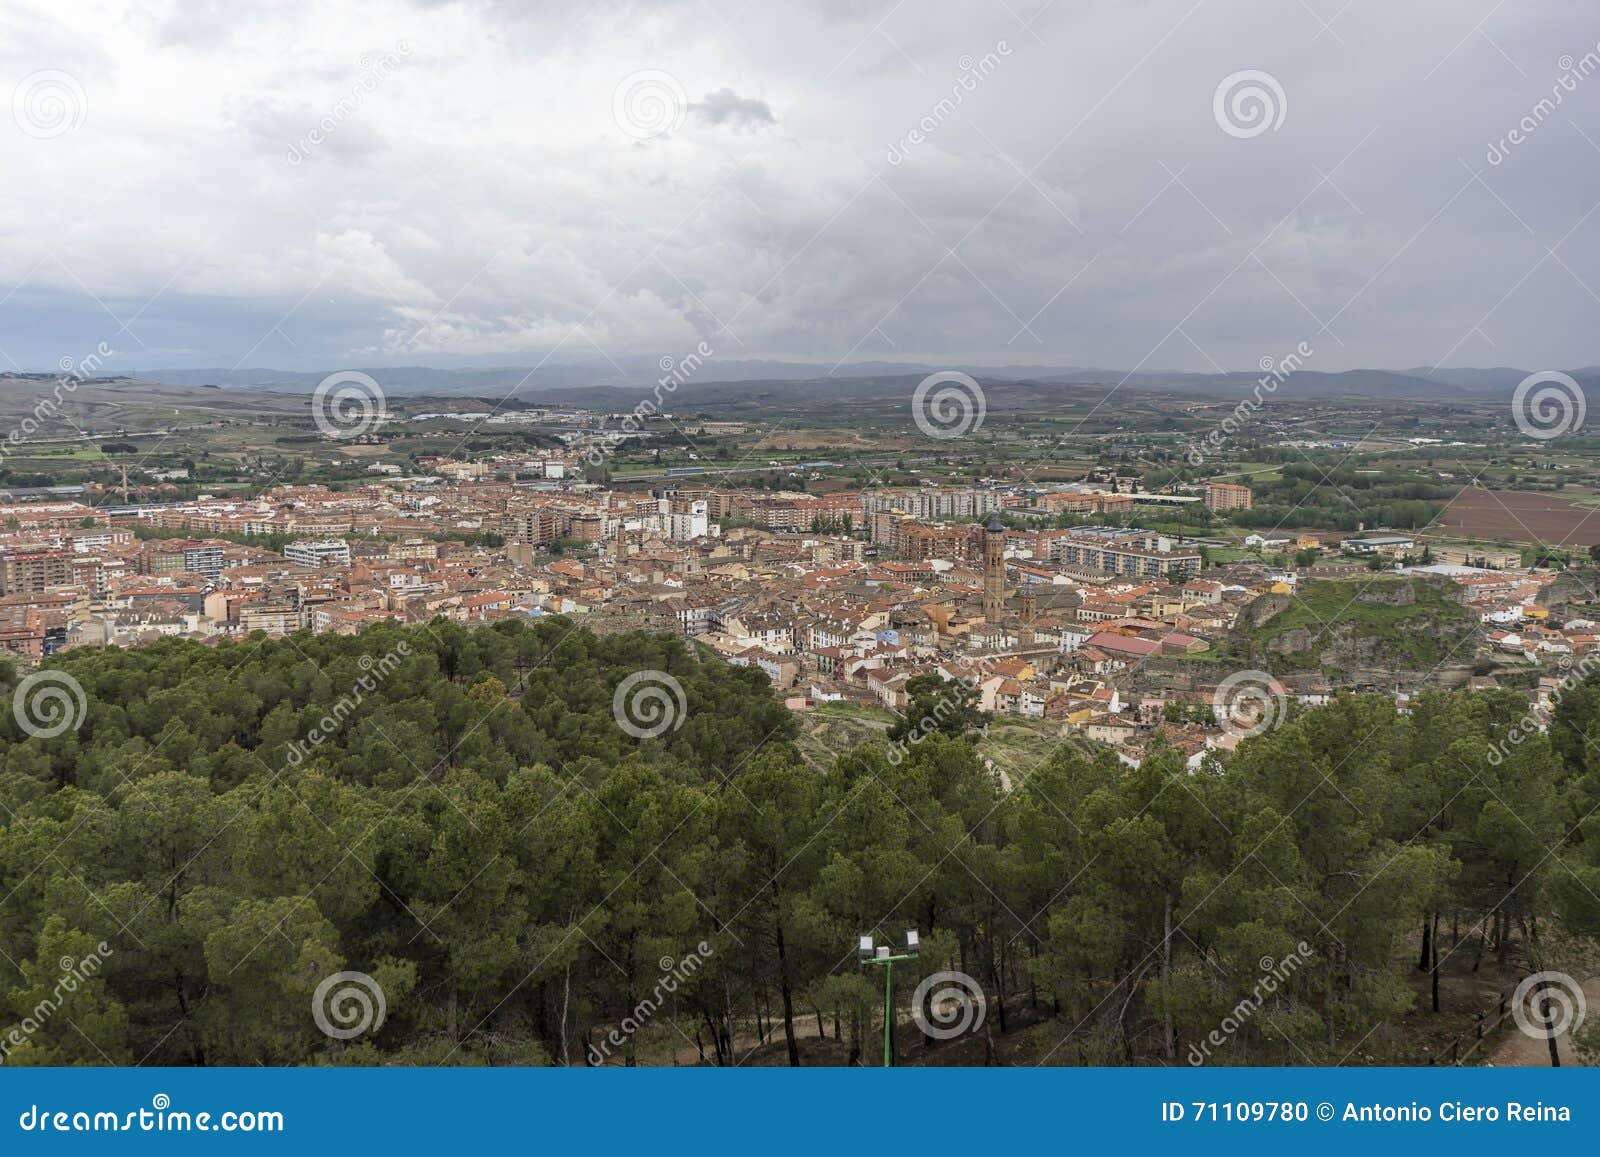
{"x": 716, "y": 1038}
{"x": 1549, "y": 1027}
{"x": 788, "y": 1001}
{"x": 1000, "y": 981}
{"x": 196, "y": 1050}
{"x": 629, "y": 1052}
{"x": 1427, "y": 942}
{"x": 1166, "y": 974}
{"x": 566, "y": 998}
{"x": 1434, "y": 940}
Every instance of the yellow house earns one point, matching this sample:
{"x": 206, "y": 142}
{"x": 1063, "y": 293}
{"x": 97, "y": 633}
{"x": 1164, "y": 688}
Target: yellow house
{"x": 1078, "y": 716}
{"x": 1018, "y": 669}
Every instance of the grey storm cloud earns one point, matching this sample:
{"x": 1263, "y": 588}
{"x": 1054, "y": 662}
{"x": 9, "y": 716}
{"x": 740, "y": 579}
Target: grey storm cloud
{"x": 1175, "y": 184}
{"x": 726, "y": 107}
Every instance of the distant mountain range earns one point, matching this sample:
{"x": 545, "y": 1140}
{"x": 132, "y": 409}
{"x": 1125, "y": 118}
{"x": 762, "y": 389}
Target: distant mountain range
{"x": 1467, "y": 384}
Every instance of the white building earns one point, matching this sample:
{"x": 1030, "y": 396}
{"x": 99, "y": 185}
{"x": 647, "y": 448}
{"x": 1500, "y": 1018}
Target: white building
{"x": 318, "y": 553}
{"x": 691, "y": 524}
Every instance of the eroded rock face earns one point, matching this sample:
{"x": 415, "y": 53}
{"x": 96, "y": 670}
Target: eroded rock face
{"x": 1403, "y": 594}
{"x": 1569, "y": 588}
{"x": 1290, "y": 642}
{"x": 1260, "y": 611}
{"x": 1404, "y": 650}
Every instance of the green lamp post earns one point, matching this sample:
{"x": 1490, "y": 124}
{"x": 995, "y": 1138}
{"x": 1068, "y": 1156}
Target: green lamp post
{"x": 882, "y": 954}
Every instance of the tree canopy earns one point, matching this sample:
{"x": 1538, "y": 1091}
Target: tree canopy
{"x": 457, "y": 817}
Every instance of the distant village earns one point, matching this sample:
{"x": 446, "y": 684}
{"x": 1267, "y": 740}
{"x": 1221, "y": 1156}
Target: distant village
{"x": 843, "y": 597}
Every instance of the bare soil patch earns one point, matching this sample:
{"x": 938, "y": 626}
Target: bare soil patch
{"x": 1551, "y": 518}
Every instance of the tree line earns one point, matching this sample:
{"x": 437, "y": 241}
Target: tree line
{"x": 519, "y": 876}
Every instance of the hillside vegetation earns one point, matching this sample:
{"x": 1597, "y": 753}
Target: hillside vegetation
{"x": 458, "y": 816}
{"x": 1397, "y": 623}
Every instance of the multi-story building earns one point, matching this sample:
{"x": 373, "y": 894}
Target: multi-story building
{"x": 688, "y": 522}
{"x": 916, "y": 542}
{"x": 161, "y": 559}
{"x": 273, "y": 617}
{"x": 97, "y": 538}
{"x": 695, "y": 616}
{"x": 318, "y": 552}
{"x": 586, "y": 527}
{"x": 34, "y": 571}
{"x": 934, "y": 504}
{"x": 1085, "y": 502}
{"x": 530, "y": 527}
{"x": 1141, "y": 556}
{"x": 205, "y": 559}
{"x": 1228, "y": 496}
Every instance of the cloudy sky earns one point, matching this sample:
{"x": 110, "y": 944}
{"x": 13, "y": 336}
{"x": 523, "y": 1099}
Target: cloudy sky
{"x": 1156, "y": 184}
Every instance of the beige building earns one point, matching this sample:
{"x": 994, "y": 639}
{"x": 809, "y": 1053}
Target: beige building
{"x": 1228, "y": 496}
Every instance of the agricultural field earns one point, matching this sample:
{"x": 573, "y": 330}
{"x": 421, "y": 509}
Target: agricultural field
{"x": 1551, "y": 518}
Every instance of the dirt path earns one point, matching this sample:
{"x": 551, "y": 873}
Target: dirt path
{"x": 1517, "y": 1048}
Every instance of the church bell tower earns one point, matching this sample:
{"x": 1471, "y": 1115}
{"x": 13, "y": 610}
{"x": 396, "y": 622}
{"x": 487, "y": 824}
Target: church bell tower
{"x": 994, "y": 570}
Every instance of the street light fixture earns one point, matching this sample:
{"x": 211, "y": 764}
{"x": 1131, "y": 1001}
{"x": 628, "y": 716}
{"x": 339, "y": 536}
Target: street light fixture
{"x": 882, "y": 954}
